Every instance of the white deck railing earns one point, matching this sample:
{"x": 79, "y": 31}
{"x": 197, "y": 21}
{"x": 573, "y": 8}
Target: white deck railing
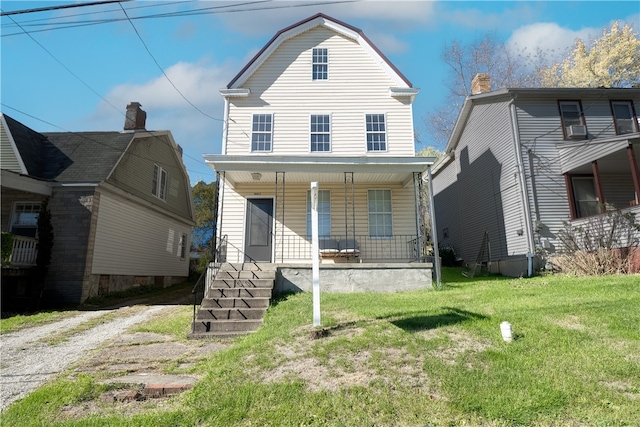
{"x": 24, "y": 251}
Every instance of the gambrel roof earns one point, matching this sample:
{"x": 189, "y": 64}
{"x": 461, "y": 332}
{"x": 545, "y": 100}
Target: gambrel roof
{"x": 319, "y": 20}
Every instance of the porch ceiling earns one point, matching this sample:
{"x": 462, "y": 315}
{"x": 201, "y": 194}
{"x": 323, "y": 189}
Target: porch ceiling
{"x": 298, "y": 169}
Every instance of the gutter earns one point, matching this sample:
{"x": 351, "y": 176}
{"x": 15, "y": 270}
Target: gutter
{"x": 523, "y": 187}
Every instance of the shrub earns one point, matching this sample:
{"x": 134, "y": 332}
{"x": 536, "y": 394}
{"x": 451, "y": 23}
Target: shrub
{"x": 7, "y": 247}
{"x": 603, "y": 244}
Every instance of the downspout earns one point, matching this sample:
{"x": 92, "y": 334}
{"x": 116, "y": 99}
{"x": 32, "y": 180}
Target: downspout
{"x": 523, "y": 188}
{"x": 225, "y": 125}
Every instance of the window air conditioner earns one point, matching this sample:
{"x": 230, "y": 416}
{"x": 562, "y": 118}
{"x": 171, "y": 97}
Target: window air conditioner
{"x": 577, "y": 132}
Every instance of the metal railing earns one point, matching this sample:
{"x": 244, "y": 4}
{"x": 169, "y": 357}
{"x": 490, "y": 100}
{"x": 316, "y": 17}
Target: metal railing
{"x": 25, "y": 251}
{"x": 206, "y": 277}
{"x": 366, "y": 248}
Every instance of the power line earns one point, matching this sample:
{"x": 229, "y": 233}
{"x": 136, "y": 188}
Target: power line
{"x": 64, "y": 6}
{"x": 162, "y": 70}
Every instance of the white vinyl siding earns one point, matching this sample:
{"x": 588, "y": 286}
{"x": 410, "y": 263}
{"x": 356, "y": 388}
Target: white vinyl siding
{"x": 134, "y": 240}
{"x": 7, "y": 151}
{"x": 357, "y": 85}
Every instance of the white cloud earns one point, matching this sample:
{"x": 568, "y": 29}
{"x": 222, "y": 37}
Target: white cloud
{"x": 550, "y": 38}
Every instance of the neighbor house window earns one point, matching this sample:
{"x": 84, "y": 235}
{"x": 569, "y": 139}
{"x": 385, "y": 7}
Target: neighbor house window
{"x": 324, "y": 213}
{"x": 376, "y": 132}
{"x": 183, "y": 246}
{"x": 584, "y": 195}
{"x": 320, "y": 133}
{"x": 572, "y": 120}
{"x": 320, "y": 64}
{"x": 159, "y": 183}
{"x": 380, "y": 219}
{"x": 24, "y": 221}
{"x": 261, "y": 132}
{"x": 624, "y": 117}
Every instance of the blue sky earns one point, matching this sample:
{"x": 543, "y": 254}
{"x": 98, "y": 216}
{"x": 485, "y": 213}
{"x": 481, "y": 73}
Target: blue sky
{"x": 81, "y": 77}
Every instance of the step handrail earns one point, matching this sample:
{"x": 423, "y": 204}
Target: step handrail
{"x": 200, "y": 283}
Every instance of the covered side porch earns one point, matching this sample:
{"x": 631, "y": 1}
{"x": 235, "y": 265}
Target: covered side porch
{"x": 370, "y": 209}
{"x": 602, "y": 175}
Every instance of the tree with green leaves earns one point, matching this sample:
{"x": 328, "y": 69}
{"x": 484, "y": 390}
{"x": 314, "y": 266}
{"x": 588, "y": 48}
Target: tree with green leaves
{"x": 205, "y": 203}
{"x": 612, "y": 60}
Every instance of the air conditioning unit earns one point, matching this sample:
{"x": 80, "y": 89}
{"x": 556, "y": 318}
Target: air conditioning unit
{"x": 577, "y": 132}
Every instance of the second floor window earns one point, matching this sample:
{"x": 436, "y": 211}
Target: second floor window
{"x": 376, "y": 132}
{"x": 320, "y": 133}
{"x": 261, "y": 132}
{"x": 572, "y": 120}
{"x": 624, "y": 117}
{"x": 159, "y": 183}
{"x": 320, "y": 64}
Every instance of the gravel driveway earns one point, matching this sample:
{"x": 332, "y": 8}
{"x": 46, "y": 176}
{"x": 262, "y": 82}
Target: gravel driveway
{"x": 27, "y": 360}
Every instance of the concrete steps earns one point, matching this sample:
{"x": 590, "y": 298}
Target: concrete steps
{"x": 235, "y": 301}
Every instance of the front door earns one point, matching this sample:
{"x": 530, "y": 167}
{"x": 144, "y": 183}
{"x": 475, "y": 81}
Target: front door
{"x": 259, "y": 227}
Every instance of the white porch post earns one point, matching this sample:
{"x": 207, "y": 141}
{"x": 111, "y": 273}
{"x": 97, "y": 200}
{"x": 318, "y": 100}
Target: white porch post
{"x": 315, "y": 254}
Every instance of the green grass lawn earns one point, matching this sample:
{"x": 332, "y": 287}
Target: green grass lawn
{"x": 409, "y": 359}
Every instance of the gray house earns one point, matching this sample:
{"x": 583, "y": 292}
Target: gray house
{"x": 521, "y": 162}
{"x": 120, "y": 205}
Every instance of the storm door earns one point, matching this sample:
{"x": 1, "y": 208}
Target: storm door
{"x": 258, "y": 231}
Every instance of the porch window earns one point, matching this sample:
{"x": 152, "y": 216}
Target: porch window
{"x": 261, "y": 132}
{"x": 320, "y": 64}
{"x": 572, "y": 121}
{"x": 320, "y": 133}
{"x": 24, "y": 221}
{"x": 584, "y": 194}
{"x": 380, "y": 217}
{"x": 159, "y": 182}
{"x": 324, "y": 213}
{"x": 376, "y": 132}
{"x": 624, "y": 117}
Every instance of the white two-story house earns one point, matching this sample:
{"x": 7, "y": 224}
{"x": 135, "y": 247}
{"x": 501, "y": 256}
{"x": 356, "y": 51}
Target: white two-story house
{"x": 319, "y": 103}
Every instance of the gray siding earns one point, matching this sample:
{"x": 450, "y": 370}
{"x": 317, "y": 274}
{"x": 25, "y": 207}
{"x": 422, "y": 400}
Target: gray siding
{"x": 485, "y": 189}
{"x": 134, "y": 174}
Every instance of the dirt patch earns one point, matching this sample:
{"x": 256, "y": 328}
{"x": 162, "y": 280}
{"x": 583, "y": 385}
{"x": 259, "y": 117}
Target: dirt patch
{"x": 459, "y": 343}
{"x": 343, "y": 366}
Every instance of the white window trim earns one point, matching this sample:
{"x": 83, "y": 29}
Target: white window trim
{"x": 319, "y": 63}
{"x": 251, "y": 150}
{"x": 156, "y": 189}
{"x": 391, "y": 213}
{"x": 14, "y": 214}
{"x": 634, "y": 119}
{"x": 386, "y": 134}
{"x": 307, "y": 213}
{"x": 330, "y": 133}
{"x": 182, "y": 246}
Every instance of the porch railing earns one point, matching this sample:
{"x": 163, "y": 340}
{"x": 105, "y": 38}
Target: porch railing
{"x": 24, "y": 251}
{"x": 367, "y": 249}
{"x": 204, "y": 281}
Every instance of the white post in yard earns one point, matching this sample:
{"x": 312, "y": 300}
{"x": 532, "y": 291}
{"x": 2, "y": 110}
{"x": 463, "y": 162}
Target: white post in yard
{"x": 315, "y": 254}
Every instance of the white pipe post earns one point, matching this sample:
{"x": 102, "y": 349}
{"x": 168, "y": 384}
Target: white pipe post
{"x": 315, "y": 254}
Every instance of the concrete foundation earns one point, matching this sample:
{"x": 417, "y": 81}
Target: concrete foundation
{"x": 347, "y": 278}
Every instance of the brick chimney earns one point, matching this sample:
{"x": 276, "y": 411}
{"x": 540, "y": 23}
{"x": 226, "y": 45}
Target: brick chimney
{"x": 480, "y": 84}
{"x": 135, "y": 118}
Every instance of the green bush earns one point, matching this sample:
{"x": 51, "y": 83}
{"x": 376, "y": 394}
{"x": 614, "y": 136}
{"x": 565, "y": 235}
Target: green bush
{"x": 7, "y": 247}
